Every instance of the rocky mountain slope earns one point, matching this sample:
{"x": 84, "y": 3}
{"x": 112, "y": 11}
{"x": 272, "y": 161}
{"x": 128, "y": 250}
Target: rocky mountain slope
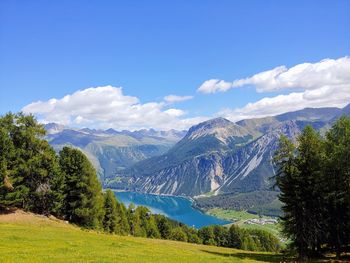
{"x": 218, "y": 156}
{"x": 111, "y": 151}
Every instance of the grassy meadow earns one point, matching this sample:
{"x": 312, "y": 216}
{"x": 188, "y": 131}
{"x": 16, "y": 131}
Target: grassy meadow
{"x": 240, "y": 216}
{"x": 26, "y": 237}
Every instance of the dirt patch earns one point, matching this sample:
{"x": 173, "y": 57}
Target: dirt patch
{"x": 20, "y": 216}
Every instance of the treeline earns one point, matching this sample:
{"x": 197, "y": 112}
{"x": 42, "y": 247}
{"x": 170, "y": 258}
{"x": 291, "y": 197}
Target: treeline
{"x": 314, "y": 179}
{"x": 237, "y": 201}
{"x": 34, "y": 178}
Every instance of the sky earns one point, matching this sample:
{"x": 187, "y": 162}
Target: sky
{"x": 171, "y": 64}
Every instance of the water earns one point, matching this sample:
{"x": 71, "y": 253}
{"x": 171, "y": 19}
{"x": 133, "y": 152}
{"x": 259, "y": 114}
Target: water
{"x": 174, "y": 207}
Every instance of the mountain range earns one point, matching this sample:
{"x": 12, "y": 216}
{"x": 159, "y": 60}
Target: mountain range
{"x": 220, "y": 157}
{"x": 111, "y": 150}
{"x": 215, "y": 157}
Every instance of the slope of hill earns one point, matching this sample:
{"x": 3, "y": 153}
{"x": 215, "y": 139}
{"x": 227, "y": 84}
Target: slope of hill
{"x": 192, "y": 166}
{"x": 25, "y": 237}
{"x": 111, "y": 150}
{"x": 218, "y": 156}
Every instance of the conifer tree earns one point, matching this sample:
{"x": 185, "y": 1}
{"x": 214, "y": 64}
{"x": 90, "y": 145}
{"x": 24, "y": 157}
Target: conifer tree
{"x": 111, "y": 216}
{"x": 310, "y": 163}
{"x": 123, "y": 224}
{"x": 337, "y": 188}
{"x": 83, "y": 194}
{"x": 30, "y": 176}
{"x": 290, "y": 183}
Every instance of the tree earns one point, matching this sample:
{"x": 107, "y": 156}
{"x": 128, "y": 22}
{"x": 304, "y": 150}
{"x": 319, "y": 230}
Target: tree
{"x": 123, "y": 224}
{"x": 163, "y": 225}
{"x": 84, "y": 200}
{"x": 234, "y": 237}
{"x": 337, "y": 187}
{"x": 310, "y": 162}
{"x": 220, "y": 236}
{"x": 30, "y": 175}
{"x": 207, "y": 235}
{"x": 111, "y": 217}
{"x": 290, "y": 183}
{"x": 178, "y": 234}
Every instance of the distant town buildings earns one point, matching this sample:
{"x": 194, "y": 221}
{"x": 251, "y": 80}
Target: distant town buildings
{"x": 261, "y": 221}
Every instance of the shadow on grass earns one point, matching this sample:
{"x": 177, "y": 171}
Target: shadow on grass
{"x": 276, "y": 257}
{"x": 252, "y": 256}
{"x": 6, "y": 211}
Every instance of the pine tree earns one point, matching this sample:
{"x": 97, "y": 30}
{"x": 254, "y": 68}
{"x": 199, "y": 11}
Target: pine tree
{"x": 163, "y": 225}
{"x": 290, "y": 183}
{"x": 111, "y": 216}
{"x": 29, "y": 167}
{"x": 178, "y": 234}
{"x": 207, "y": 235}
{"x": 123, "y": 224}
{"x": 337, "y": 189}
{"x": 83, "y": 194}
{"x": 234, "y": 237}
{"x": 310, "y": 163}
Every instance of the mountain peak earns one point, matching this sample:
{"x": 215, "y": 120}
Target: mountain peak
{"x": 220, "y": 128}
{"x": 53, "y": 127}
{"x": 346, "y": 110}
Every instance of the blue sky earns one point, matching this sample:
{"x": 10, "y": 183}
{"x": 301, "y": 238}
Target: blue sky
{"x": 50, "y": 49}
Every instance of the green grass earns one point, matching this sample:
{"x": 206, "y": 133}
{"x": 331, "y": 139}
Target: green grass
{"x": 59, "y": 242}
{"x": 240, "y": 216}
{"x": 232, "y": 215}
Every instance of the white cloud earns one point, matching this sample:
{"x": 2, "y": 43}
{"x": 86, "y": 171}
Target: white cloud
{"x": 321, "y": 84}
{"x": 176, "y": 98}
{"x": 214, "y": 85}
{"x": 327, "y": 96}
{"x": 106, "y": 107}
{"x": 328, "y": 72}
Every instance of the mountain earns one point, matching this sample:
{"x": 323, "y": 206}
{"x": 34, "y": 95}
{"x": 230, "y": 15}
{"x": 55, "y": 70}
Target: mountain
{"x": 110, "y": 150}
{"x": 52, "y": 128}
{"x": 219, "y": 156}
{"x": 259, "y": 126}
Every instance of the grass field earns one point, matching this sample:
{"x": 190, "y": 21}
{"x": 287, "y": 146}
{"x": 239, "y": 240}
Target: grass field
{"x": 30, "y": 238}
{"x": 240, "y": 216}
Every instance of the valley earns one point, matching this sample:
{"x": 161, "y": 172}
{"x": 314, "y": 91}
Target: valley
{"x": 219, "y": 163}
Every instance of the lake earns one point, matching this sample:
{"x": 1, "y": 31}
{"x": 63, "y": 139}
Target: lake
{"x": 174, "y": 207}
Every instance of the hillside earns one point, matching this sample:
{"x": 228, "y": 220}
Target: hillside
{"x": 220, "y": 157}
{"x": 27, "y": 237}
{"x": 111, "y": 150}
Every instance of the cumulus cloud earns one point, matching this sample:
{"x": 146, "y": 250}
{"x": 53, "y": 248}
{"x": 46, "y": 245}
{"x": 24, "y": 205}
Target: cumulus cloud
{"x": 176, "y": 98}
{"x": 321, "y": 84}
{"x": 106, "y": 107}
{"x": 308, "y": 76}
{"x": 214, "y": 85}
{"x": 327, "y": 96}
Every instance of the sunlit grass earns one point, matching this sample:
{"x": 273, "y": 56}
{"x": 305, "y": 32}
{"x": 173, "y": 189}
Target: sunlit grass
{"x": 59, "y": 242}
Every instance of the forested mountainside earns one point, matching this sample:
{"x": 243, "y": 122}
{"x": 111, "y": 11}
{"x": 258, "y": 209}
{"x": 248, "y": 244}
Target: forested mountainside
{"x": 111, "y": 150}
{"x": 219, "y": 156}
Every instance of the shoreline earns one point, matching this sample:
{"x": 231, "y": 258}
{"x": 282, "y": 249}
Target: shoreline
{"x": 190, "y": 199}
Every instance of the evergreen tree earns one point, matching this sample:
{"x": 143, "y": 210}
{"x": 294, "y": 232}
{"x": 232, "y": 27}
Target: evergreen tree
{"x": 337, "y": 186}
{"x": 84, "y": 200}
{"x": 290, "y": 183}
{"x": 220, "y": 236}
{"x": 309, "y": 161}
{"x": 30, "y": 175}
{"x": 163, "y": 225}
{"x": 207, "y": 235}
{"x": 111, "y": 216}
{"x": 234, "y": 237}
{"x": 123, "y": 224}
{"x": 178, "y": 234}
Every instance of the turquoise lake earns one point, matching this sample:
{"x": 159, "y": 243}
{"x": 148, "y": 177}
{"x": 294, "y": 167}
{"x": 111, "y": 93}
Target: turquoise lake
{"x": 174, "y": 207}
